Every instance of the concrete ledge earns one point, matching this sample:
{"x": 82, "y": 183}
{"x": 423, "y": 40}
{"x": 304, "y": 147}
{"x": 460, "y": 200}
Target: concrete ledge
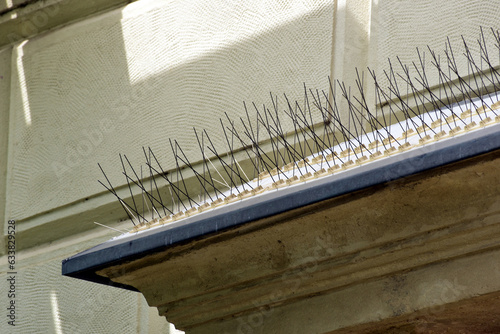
{"x": 368, "y": 255}
{"x": 85, "y": 264}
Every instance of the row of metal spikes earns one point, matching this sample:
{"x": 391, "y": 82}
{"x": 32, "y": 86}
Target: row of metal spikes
{"x": 292, "y": 135}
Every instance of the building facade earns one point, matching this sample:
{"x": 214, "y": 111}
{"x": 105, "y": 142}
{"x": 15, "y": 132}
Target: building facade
{"x": 82, "y": 82}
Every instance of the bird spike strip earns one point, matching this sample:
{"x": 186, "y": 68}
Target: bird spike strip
{"x": 408, "y": 113}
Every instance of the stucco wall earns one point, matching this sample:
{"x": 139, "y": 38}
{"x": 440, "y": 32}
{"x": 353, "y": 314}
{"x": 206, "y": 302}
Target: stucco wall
{"x": 5, "y": 58}
{"x": 141, "y": 75}
{"x": 399, "y": 27}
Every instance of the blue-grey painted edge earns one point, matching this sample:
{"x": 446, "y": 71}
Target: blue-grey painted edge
{"x": 85, "y": 264}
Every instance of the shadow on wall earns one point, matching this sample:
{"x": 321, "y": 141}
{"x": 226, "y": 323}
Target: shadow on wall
{"x": 85, "y": 94}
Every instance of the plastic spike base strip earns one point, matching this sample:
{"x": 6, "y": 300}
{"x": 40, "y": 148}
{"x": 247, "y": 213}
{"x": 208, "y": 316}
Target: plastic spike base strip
{"x": 321, "y": 166}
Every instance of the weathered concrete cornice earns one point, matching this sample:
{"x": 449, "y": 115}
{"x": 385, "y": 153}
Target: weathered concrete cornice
{"x": 366, "y": 243}
{"x": 436, "y": 217}
{"x": 474, "y": 315}
{"x": 26, "y": 18}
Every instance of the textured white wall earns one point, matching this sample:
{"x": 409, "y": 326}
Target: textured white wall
{"x": 47, "y": 302}
{"x": 145, "y": 74}
{"x": 399, "y": 27}
{"x": 351, "y": 39}
{"x": 5, "y": 58}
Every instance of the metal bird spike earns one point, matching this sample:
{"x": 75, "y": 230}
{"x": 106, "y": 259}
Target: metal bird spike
{"x": 439, "y": 95}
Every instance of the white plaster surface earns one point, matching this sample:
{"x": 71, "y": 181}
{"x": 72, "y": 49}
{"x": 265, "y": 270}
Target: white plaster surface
{"x": 47, "y": 302}
{"x": 399, "y": 27}
{"x": 145, "y": 74}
